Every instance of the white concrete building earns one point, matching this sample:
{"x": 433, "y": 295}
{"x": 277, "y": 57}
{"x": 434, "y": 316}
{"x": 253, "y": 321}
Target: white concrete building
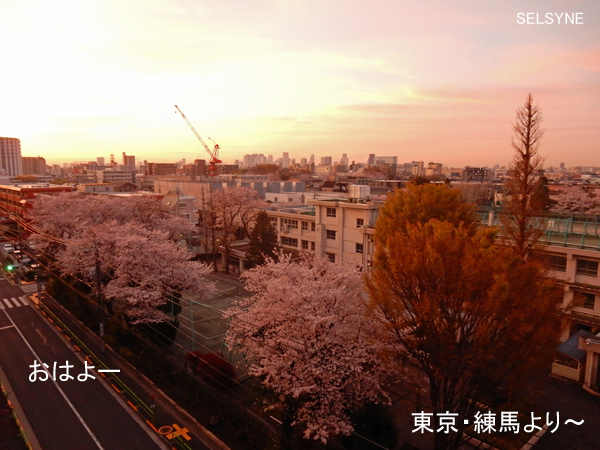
{"x": 340, "y": 229}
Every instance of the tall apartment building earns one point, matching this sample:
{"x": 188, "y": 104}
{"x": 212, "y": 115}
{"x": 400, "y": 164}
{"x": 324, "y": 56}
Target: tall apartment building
{"x": 417, "y": 169}
{"x": 10, "y": 156}
{"x": 33, "y": 165}
{"x": 285, "y": 160}
{"x": 161, "y": 169}
{"x": 129, "y": 161}
{"x": 253, "y": 160}
{"x": 327, "y": 160}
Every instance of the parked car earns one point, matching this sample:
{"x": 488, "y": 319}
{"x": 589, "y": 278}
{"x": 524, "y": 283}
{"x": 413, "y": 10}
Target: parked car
{"x": 26, "y": 260}
{"x": 8, "y": 248}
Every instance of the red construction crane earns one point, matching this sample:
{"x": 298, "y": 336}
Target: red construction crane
{"x": 214, "y": 153}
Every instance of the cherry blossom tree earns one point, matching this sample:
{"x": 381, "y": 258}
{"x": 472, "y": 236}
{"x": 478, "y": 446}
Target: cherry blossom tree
{"x": 577, "y": 199}
{"x": 141, "y": 267}
{"x": 305, "y": 327}
{"x": 125, "y": 244}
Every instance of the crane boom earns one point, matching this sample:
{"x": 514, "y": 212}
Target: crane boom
{"x": 214, "y": 154}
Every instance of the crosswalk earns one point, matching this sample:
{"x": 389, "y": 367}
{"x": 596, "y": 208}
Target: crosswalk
{"x": 30, "y": 288}
{"x": 14, "y": 302}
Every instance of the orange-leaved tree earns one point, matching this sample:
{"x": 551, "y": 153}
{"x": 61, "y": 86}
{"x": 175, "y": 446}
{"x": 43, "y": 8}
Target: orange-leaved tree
{"x": 467, "y": 312}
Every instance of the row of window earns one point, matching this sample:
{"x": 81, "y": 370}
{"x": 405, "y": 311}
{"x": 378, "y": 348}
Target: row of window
{"x": 294, "y": 223}
{"x": 305, "y": 246}
{"x": 313, "y": 226}
{"x": 584, "y": 266}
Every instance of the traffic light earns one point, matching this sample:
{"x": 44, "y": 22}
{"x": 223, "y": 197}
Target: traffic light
{"x": 9, "y": 267}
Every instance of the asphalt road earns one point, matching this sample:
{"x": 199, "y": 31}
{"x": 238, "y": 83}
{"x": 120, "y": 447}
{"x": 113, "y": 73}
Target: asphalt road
{"x": 61, "y": 414}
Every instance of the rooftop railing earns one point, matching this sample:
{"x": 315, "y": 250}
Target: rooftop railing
{"x": 560, "y": 229}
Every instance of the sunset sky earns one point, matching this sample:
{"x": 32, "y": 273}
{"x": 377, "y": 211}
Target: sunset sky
{"x": 421, "y": 80}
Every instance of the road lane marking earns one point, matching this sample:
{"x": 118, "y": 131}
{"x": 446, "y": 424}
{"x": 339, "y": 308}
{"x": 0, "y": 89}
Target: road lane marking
{"x": 24, "y": 301}
{"x": 9, "y": 304}
{"x": 8, "y": 326}
{"x": 14, "y": 300}
{"x": 94, "y": 438}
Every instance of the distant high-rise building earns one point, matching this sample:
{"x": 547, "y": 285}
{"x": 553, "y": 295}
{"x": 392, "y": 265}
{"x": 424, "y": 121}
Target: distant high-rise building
{"x": 327, "y": 160}
{"x": 417, "y": 169}
{"x": 381, "y": 160}
{"x": 303, "y": 161}
{"x": 100, "y": 160}
{"x": 562, "y": 166}
{"x": 33, "y": 165}
{"x": 344, "y": 160}
{"x": 312, "y": 159}
{"x": 10, "y": 156}
{"x": 285, "y": 160}
{"x": 129, "y": 161}
{"x": 371, "y": 160}
{"x": 253, "y": 160}
{"x": 270, "y": 159}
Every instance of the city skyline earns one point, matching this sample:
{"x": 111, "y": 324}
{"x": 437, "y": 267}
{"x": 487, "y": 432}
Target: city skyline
{"x": 420, "y": 81}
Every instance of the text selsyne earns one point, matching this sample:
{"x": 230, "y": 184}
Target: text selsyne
{"x": 550, "y": 18}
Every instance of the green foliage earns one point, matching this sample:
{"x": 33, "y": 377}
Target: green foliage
{"x": 30, "y": 275}
{"x": 540, "y": 198}
{"x": 419, "y": 180}
{"x": 239, "y": 233}
{"x": 263, "y": 241}
{"x": 265, "y": 169}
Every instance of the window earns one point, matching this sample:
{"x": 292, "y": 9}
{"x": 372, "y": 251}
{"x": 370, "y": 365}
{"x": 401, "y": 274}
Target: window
{"x": 331, "y": 212}
{"x": 330, "y": 234}
{"x": 359, "y": 248}
{"x": 289, "y": 223}
{"x": 313, "y": 246}
{"x": 274, "y": 222}
{"x": 557, "y": 263}
{"x": 313, "y": 226}
{"x": 182, "y": 204}
{"x": 589, "y": 300}
{"x": 304, "y": 245}
{"x": 304, "y": 226}
{"x": 360, "y": 223}
{"x": 585, "y": 267}
{"x": 330, "y": 256}
{"x": 289, "y": 242}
